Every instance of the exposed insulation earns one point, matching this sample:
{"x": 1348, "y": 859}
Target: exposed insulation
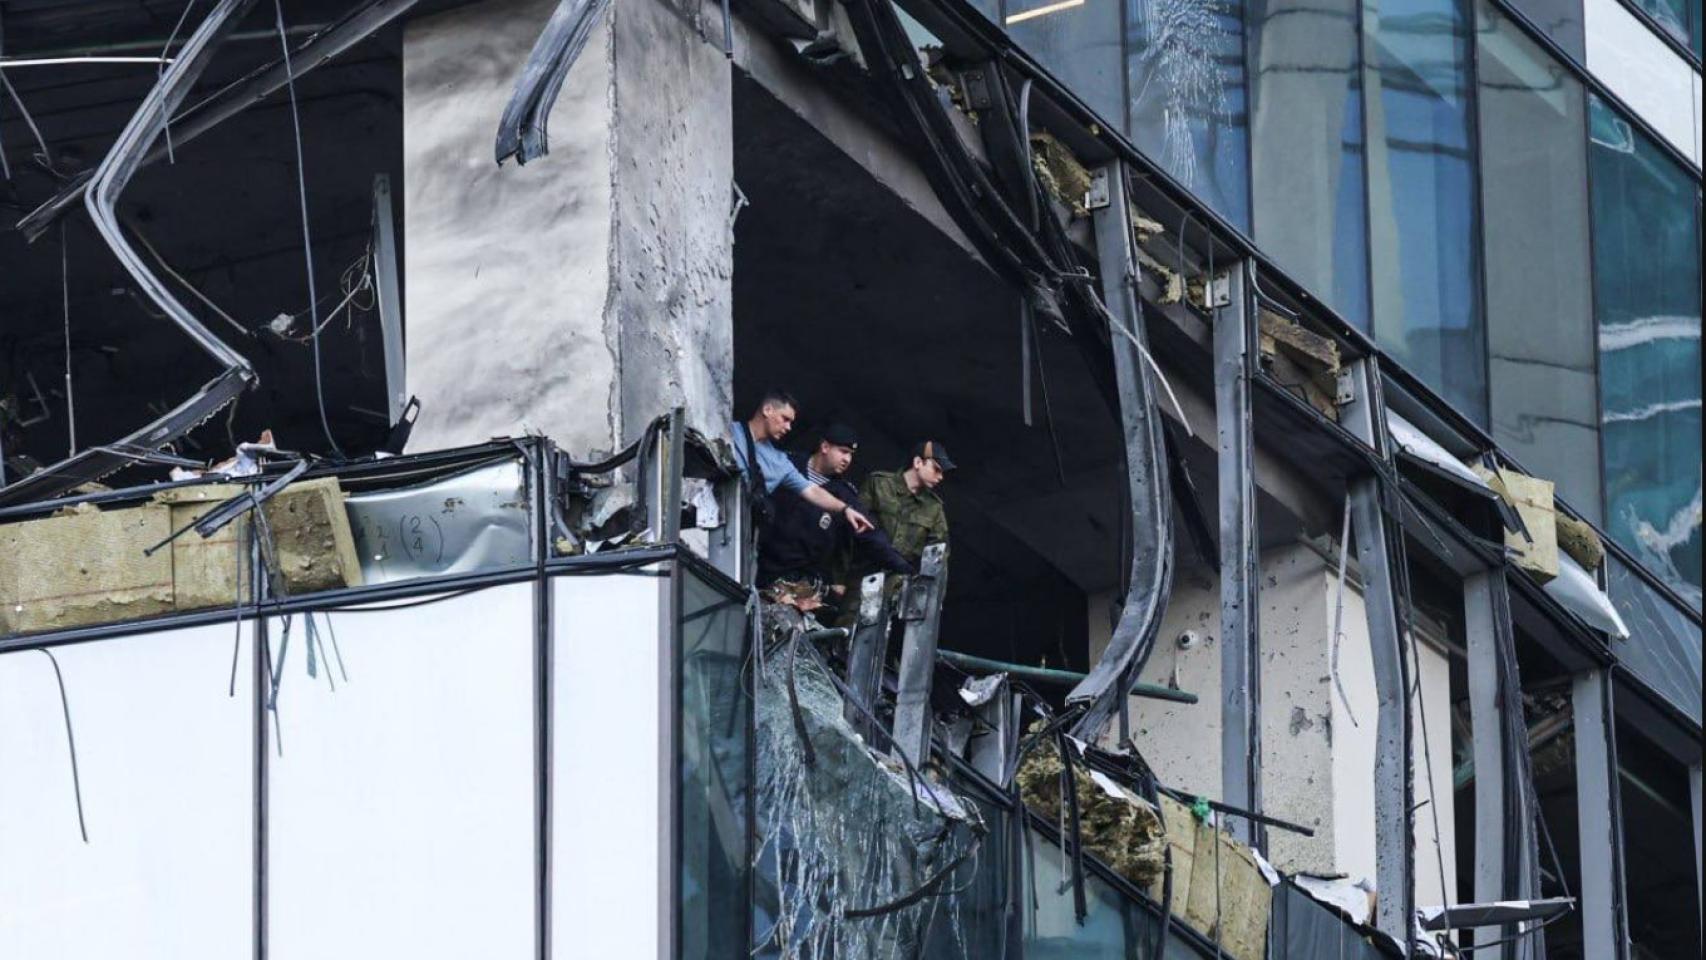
{"x": 1578, "y": 539}
{"x": 205, "y": 573}
{"x": 1182, "y": 842}
{"x": 1122, "y": 831}
{"x": 84, "y": 566}
{"x": 1229, "y": 898}
{"x": 1059, "y": 172}
{"x": 311, "y": 532}
{"x": 1536, "y": 553}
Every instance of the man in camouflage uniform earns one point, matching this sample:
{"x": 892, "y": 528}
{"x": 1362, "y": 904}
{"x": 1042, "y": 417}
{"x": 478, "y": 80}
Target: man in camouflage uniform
{"x": 904, "y": 505}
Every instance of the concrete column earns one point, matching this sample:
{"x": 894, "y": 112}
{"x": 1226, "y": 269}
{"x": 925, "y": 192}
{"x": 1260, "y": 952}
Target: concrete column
{"x": 587, "y": 292}
{"x": 1597, "y": 816}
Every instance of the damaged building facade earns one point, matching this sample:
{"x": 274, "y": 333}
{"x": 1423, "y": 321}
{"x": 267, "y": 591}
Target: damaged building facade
{"x": 1324, "y": 575}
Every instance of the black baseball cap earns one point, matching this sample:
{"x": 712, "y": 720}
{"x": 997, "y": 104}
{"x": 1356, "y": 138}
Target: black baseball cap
{"x": 840, "y": 435}
{"x": 931, "y": 450}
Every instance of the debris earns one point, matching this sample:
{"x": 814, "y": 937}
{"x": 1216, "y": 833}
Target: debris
{"x": 1352, "y": 898}
{"x": 84, "y": 566}
{"x": 1059, "y": 172}
{"x": 1579, "y": 593}
{"x": 478, "y": 519}
{"x": 1537, "y": 552}
{"x": 1579, "y": 539}
{"x": 1301, "y": 360}
{"x": 1229, "y": 899}
{"x": 315, "y": 548}
{"x": 1119, "y": 827}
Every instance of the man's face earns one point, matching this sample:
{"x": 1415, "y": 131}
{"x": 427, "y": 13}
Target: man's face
{"x": 930, "y": 473}
{"x": 835, "y": 458}
{"x": 778, "y": 420}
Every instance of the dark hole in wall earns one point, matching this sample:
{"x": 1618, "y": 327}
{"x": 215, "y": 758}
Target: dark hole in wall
{"x": 225, "y": 214}
{"x": 868, "y": 312}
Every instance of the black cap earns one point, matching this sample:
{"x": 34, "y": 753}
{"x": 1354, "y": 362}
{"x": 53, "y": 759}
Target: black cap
{"x": 931, "y": 450}
{"x": 840, "y": 435}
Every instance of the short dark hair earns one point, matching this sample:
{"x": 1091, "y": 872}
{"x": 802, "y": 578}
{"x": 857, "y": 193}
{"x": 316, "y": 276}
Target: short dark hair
{"x": 777, "y": 396}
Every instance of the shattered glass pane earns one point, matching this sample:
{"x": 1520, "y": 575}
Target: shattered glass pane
{"x": 844, "y": 829}
{"x": 715, "y": 712}
{"x": 1664, "y": 644}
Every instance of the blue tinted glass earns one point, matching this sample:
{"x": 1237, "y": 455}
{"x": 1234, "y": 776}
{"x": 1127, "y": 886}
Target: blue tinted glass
{"x": 1664, "y": 644}
{"x": 1185, "y": 72}
{"x": 1079, "y": 43}
{"x": 1534, "y": 189}
{"x": 1646, "y": 255}
{"x": 1670, "y": 15}
{"x": 1425, "y": 272}
{"x": 1306, "y": 146}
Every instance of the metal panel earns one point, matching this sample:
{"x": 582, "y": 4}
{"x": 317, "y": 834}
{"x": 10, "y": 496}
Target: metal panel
{"x": 1380, "y": 558}
{"x": 1598, "y": 818}
{"x": 475, "y": 520}
{"x": 921, "y": 609}
{"x": 390, "y": 297}
{"x": 867, "y": 653}
{"x": 1151, "y": 575}
{"x": 1240, "y": 576}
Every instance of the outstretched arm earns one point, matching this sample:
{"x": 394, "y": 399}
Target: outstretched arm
{"x": 819, "y": 497}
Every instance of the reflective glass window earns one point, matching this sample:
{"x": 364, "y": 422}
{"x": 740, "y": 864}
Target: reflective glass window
{"x": 715, "y": 788}
{"x": 1185, "y": 96}
{"x": 1561, "y": 20}
{"x": 1671, "y": 16}
{"x": 1079, "y": 42}
{"x": 401, "y": 781}
{"x": 1307, "y": 167}
{"x": 1542, "y": 386}
{"x": 165, "y": 745}
{"x": 1664, "y": 643}
{"x": 1646, "y": 256}
{"x": 1421, "y": 206}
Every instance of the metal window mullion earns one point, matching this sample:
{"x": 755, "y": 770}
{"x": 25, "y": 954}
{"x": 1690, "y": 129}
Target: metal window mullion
{"x": 1599, "y": 817}
{"x": 1486, "y": 731}
{"x": 543, "y": 696}
{"x": 1240, "y": 630}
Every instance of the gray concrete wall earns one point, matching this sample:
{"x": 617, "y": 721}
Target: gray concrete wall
{"x": 585, "y": 293}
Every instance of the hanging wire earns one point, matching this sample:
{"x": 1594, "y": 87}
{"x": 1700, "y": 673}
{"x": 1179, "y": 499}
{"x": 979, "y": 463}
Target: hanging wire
{"x": 307, "y": 238}
{"x": 70, "y": 742}
{"x": 65, "y": 290}
{"x": 45, "y": 155}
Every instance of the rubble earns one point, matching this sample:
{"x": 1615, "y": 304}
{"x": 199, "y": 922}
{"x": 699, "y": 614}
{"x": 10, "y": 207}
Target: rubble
{"x": 1537, "y": 552}
{"x": 1060, "y": 172}
{"x": 1119, "y": 827}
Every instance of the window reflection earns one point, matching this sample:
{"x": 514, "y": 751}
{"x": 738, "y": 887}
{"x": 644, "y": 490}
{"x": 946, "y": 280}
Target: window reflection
{"x": 1646, "y": 253}
{"x": 1079, "y": 42}
{"x": 1421, "y": 196}
{"x": 1307, "y": 151}
{"x": 1543, "y": 390}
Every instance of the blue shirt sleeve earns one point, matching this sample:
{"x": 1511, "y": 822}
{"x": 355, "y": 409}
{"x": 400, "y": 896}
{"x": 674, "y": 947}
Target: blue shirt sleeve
{"x": 787, "y": 476}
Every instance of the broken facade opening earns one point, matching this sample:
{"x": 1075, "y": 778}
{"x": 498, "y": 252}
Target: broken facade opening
{"x": 1381, "y": 675}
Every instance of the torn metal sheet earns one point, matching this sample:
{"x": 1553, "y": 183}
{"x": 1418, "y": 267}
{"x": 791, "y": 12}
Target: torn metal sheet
{"x": 1151, "y": 574}
{"x": 522, "y": 131}
{"x": 1579, "y": 593}
{"x": 476, "y": 520}
{"x": 977, "y": 691}
{"x": 109, "y": 180}
{"x": 1465, "y": 915}
{"x": 1412, "y": 441}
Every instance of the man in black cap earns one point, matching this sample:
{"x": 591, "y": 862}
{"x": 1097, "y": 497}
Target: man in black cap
{"x": 803, "y": 542}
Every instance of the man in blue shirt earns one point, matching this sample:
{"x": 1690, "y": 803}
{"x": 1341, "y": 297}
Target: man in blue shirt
{"x": 756, "y": 440}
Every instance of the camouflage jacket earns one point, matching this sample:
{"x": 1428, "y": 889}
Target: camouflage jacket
{"x": 912, "y": 520}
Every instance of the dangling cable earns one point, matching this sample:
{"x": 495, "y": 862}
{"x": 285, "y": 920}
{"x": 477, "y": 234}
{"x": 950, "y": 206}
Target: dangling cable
{"x": 307, "y": 238}
{"x": 70, "y": 742}
{"x": 160, "y": 72}
{"x": 65, "y": 291}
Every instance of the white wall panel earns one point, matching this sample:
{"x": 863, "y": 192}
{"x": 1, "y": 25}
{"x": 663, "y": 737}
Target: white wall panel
{"x": 608, "y": 806}
{"x": 165, "y": 758}
{"x": 401, "y": 817}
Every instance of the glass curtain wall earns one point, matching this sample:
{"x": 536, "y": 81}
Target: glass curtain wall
{"x": 1079, "y": 42}
{"x": 1307, "y": 168}
{"x": 1185, "y": 96}
{"x": 1427, "y": 308}
{"x": 1542, "y": 368}
{"x": 1646, "y": 254}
